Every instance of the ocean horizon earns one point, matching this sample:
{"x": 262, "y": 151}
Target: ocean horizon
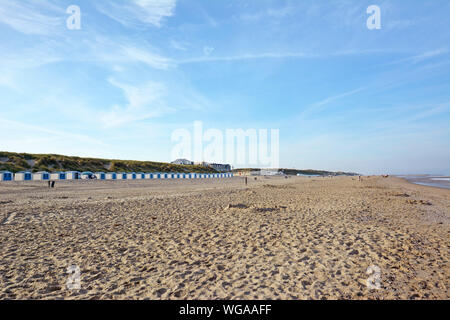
{"x": 438, "y": 181}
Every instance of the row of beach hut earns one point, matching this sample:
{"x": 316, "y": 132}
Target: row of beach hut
{"x": 75, "y": 175}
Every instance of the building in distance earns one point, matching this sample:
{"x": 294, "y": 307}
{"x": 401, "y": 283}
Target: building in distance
{"x": 183, "y": 161}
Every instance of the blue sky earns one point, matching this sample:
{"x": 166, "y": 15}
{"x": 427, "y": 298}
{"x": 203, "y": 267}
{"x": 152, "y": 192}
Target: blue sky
{"x": 343, "y": 97}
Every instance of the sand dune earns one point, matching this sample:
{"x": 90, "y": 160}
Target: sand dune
{"x": 297, "y": 238}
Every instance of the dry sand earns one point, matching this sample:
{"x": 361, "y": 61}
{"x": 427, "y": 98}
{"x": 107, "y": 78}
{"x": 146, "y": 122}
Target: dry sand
{"x": 297, "y": 238}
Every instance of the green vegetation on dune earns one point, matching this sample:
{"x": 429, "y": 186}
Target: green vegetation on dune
{"x": 16, "y": 162}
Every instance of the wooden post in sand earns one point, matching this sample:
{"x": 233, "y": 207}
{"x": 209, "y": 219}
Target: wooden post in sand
{"x": 245, "y": 180}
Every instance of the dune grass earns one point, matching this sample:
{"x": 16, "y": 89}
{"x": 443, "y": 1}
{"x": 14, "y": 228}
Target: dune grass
{"x": 16, "y": 162}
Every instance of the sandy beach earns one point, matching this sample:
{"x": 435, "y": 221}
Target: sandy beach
{"x": 276, "y": 238}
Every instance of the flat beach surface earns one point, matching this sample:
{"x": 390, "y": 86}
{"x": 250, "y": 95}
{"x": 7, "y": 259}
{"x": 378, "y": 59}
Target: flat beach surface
{"x": 297, "y": 238}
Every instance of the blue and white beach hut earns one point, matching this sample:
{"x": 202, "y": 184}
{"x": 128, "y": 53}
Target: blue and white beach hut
{"x": 73, "y": 175}
{"x": 86, "y": 175}
{"x": 111, "y": 176}
{"x": 100, "y": 175}
{"x": 58, "y": 176}
{"x": 41, "y": 176}
{"x": 23, "y": 176}
{"x": 121, "y": 176}
{"x": 6, "y": 176}
{"x": 140, "y": 176}
{"x": 131, "y": 176}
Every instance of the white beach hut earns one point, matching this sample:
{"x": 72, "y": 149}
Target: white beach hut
{"x": 41, "y": 176}
{"x": 6, "y": 176}
{"x": 73, "y": 175}
{"x": 23, "y": 176}
{"x": 111, "y": 176}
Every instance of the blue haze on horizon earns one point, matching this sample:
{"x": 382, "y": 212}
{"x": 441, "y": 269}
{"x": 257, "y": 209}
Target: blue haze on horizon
{"x": 344, "y": 98}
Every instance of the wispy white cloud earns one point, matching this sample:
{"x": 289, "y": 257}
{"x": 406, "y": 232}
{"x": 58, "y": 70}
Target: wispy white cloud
{"x": 137, "y": 13}
{"x": 8, "y": 125}
{"x": 134, "y": 54}
{"x": 275, "y": 55}
{"x": 320, "y": 105}
{"x": 420, "y": 57}
{"x": 143, "y": 102}
{"x": 269, "y": 13}
{"x": 29, "y": 18}
{"x": 178, "y": 45}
